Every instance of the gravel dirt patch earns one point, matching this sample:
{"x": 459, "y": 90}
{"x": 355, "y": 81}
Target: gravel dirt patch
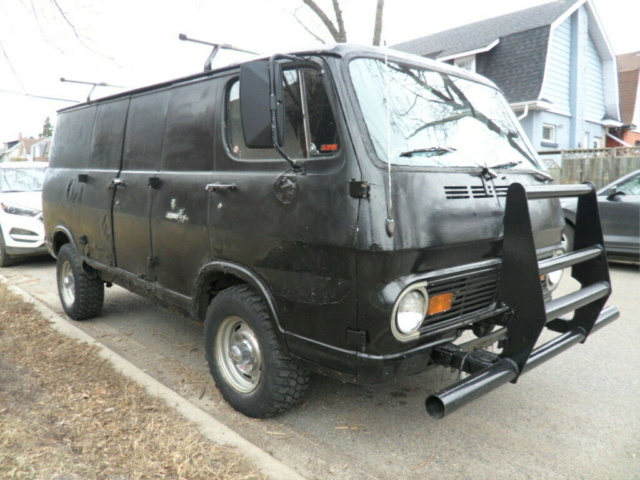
{"x": 66, "y": 414}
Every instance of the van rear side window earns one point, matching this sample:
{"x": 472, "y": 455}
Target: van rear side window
{"x": 310, "y": 128}
{"x": 188, "y": 135}
{"x": 145, "y": 131}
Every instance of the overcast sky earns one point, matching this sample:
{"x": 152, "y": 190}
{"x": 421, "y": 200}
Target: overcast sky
{"x": 135, "y": 42}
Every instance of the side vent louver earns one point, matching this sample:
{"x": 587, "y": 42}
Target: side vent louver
{"x": 453, "y": 192}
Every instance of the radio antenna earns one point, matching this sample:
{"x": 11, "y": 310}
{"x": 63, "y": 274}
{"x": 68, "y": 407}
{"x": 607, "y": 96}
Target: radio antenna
{"x": 390, "y": 224}
{"x": 214, "y": 51}
{"x": 94, "y": 85}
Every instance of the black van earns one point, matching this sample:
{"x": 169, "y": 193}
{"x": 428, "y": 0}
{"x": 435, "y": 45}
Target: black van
{"x": 349, "y": 211}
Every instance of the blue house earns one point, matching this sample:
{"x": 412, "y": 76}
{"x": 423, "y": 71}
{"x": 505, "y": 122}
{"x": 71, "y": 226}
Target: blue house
{"x": 553, "y": 62}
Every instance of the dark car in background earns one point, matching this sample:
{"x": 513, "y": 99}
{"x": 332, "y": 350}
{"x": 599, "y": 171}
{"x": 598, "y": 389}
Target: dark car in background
{"x": 619, "y": 207}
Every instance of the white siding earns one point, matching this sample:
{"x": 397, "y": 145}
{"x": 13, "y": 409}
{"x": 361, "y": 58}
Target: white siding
{"x": 594, "y": 84}
{"x": 557, "y": 87}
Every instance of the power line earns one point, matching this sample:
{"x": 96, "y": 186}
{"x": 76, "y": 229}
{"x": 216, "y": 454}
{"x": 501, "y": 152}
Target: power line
{"x": 39, "y": 96}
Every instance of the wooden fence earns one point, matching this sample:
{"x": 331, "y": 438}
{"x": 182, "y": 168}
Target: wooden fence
{"x": 598, "y": 166}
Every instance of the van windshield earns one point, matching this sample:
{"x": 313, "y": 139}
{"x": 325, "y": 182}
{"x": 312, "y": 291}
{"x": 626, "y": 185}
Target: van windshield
{"x": 421, "y": 117}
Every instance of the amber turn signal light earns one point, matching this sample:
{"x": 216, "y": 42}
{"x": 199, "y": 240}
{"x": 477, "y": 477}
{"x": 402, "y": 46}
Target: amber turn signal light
{"x": 440, "y": 303}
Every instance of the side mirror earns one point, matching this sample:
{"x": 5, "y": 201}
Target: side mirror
{"x": 256, "y": 90}
{"x": 612, "y": 193}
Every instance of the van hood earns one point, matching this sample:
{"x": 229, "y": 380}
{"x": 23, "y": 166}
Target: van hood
{"x": 444, "y": 209}
{"x": 23, "y": 199}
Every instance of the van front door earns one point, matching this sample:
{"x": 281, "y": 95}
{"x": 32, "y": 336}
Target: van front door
{"x": 296, "y": 232}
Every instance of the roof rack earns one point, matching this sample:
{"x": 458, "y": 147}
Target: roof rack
{"x": 216, "y": 48}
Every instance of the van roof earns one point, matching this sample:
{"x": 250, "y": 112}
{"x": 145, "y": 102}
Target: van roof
{"x": 335, "y": 50}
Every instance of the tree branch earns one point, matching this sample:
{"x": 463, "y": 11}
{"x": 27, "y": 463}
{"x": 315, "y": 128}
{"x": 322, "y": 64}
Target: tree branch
{"x": 341, "y": 31}
{"x": 323, "y": 17}
{"x": 75, "y": 32}
{"x": 317, "y": 37}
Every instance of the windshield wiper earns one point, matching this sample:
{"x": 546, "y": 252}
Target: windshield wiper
{"x": 536, "y": 173}
{"x": 430, "y": 151}
{"x": 506, "y": 165}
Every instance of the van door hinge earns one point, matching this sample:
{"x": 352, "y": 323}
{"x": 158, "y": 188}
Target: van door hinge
{"x": 152, "y": 262}
{"x": 359, "y": 189}
{"x": 357, "y": 338}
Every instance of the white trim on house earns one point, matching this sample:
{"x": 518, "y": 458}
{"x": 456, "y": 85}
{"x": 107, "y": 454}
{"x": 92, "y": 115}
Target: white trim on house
{"x": 532, "y": 105}
{"x": 471, "y": 52}
{"x": 608, "y": 57}
{"x": 552, "y": 131}
{"x": 470, "y": 60}
{"x": 609, "y": 123}
{"x": 619, "y": 140}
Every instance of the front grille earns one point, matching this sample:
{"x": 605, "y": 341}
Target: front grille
{"x": 472, "y": 292}
{"x": 454, "y": 192}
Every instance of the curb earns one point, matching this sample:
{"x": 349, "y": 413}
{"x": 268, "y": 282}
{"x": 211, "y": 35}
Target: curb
{"x": 208, "y": 426}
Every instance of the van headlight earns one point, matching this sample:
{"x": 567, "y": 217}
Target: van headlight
{"x": 409, "y": 312}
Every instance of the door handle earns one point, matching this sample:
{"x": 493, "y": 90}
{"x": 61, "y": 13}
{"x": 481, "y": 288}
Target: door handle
{"x": 221, "y": 187}
{"x": 116, "y": 182}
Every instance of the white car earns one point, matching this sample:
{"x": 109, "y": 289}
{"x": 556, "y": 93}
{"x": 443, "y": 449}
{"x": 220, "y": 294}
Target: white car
{"x": 21, "y": 227}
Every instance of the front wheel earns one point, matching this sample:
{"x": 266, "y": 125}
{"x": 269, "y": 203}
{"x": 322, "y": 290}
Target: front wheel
{"x": 81, "y": 295}
{"x": 245, "y": 358}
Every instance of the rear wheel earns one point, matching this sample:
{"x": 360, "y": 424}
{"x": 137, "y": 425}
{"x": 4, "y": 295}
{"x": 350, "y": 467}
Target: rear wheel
{"x": 6, "y": 260}
{"x": 245, "y": 358}
{"x": 81, "y": 295}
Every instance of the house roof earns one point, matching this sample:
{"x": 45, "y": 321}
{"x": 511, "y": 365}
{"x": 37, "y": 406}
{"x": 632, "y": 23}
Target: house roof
{"x": 628, "y": 94}
{"x": 628, "y": 61}
{"x": 480, "y": 35}
{"x": 513, "y": 50}
{"x": 629, "y": 80}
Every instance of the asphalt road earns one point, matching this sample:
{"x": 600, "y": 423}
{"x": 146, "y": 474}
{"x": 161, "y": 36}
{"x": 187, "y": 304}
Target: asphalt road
{"x": 575, "y": 417}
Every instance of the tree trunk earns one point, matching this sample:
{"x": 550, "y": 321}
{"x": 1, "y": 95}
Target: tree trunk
{"x": 377, "y": 29}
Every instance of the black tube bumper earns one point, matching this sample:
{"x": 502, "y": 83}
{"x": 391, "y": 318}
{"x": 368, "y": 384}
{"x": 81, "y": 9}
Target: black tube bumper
{"x": 520, "y": 290}
{"x": 504, "y": 371}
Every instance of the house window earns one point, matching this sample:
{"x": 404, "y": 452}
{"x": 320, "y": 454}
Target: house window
{"x": 466, "y": 63}
{"x": 548, "y": 133}
{"x": 597, "y": 142}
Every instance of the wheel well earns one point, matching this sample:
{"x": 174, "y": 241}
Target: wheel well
{"x": 59, "y": 239}
{"x": 209, "y": 287}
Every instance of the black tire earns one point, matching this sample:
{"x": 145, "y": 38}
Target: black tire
{"x": 81, "y": 295}
{"x": 237, "y": 318}
{"x": 568, "y": 234}
{"x": 6, "y": 260}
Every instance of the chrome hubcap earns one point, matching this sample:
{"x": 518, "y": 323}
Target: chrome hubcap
{"x": 564, "y": 242}
{"x": 238, "y": 354}
{"x": 67, "y": 284}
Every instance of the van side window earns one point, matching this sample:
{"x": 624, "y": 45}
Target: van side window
{"x": 107, "y": 135}
{"x": 322, "y": 125}
{"x": 188, "y": 137}
{"x": 145, "y": 130}
{"x": 310, "y": 128}
{"x": 74, "y": 136}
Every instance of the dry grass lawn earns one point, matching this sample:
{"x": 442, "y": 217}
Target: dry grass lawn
{"x": 66, "y": 414}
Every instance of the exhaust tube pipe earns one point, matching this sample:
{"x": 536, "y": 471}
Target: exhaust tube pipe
{"x": 466, "y": 390}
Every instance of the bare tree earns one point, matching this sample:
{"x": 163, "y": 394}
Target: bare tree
{"x": 337, "y": 28}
